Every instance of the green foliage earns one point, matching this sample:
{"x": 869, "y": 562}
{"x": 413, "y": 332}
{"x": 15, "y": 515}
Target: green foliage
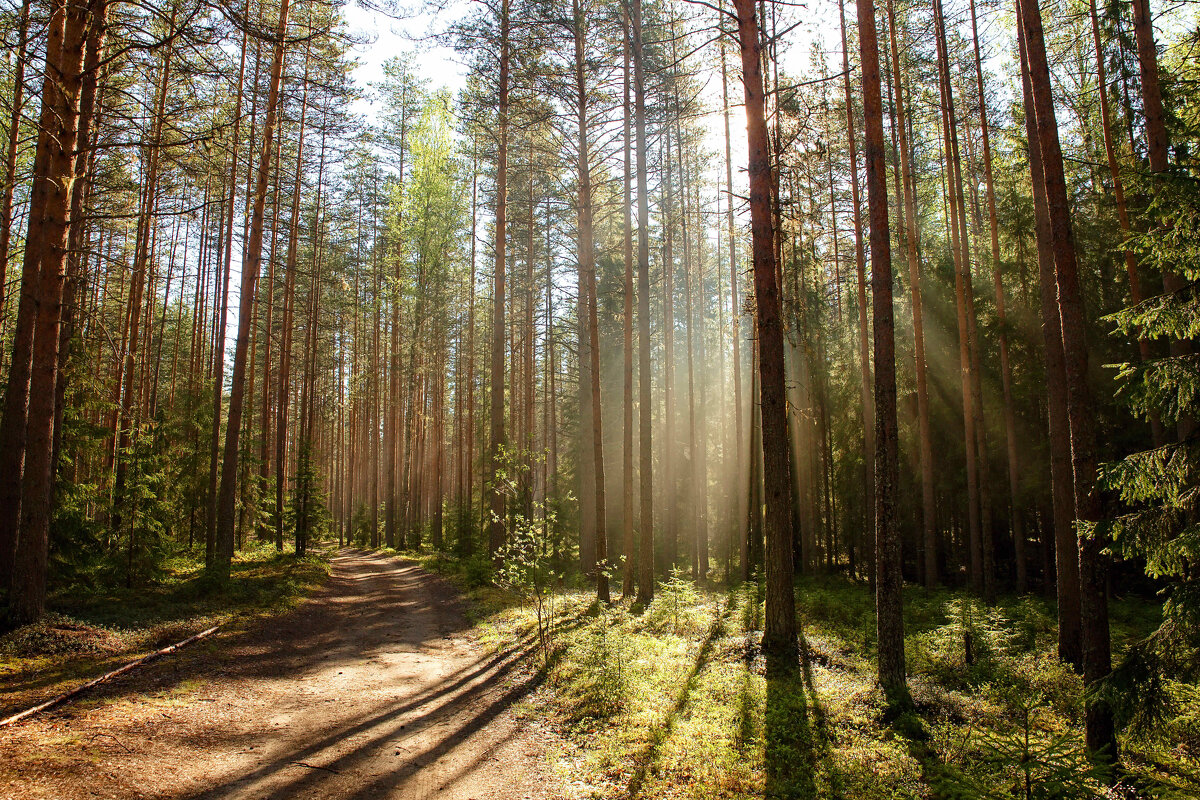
{"x": 307, "y": 514}
{"x": 526, "y": 569}
{"x": 1157, "y": 520}
{"x": 600, "y": 684}
{"x": 1023, "y": 762}
{"x": 674, "y": 607}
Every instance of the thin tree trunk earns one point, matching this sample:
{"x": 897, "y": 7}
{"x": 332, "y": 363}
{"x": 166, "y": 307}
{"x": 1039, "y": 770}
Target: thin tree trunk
{"x": 627, "y": 533}
{"x": 250, "y": 268}
{"x": 864, "y": 357}
{"x": 646, "y": 522}
{"x": 912, "y": 252}
{"x": 283, "y": 391}
{"x": 10, "y": 155}
{"x": 496, "y": 504}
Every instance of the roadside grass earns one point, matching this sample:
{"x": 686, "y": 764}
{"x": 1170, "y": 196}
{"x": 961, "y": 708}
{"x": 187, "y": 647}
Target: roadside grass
{"x": 89, "y": 631}
{"x": 673, "y": 701}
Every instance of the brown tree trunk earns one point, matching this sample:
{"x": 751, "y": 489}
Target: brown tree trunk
{"x": 646, "y": 521}
{"x": 496, "y": 504}
{"x": 1061, "y": 480}
{"x": 210, "y": 539}
{"x": 283, "y": 391}
{"x": 141, "y": 262}
{"x": 57, "y": 139}
{"x": 629, "y": 578}
{"x": 736, "y": 327}
{"x": 864, "y": 356}
{"x": 912, "y": 252}
{"x": 587, "y": 275}
{"x": 889, "y": 621}
{"x": 10, "y": 155}
{"x": 779, "y": 634}
{"x": 963, "y": 304}
{"x": 250, "y": 268}
{"x": 1099, "y": 730}
{"x": 1010, "y": 432}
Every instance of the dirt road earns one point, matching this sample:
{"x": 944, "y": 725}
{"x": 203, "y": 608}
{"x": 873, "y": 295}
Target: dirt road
{"x": 372, "y": 689}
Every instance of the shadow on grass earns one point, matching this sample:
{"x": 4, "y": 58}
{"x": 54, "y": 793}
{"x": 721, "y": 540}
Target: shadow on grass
{"x": 797, "y": 751}
{"x": 647, "y": 759}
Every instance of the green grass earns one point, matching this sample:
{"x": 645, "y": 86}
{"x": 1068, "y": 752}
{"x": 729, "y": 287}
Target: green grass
{"x": 674, "y": 702}
{"x": 88, "y": 631}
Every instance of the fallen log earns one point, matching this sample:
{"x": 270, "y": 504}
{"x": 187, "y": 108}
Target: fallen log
{"x": 66, "y": 696}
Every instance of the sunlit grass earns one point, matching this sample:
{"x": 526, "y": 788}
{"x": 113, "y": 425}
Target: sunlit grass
{"x": 673, "y": 702}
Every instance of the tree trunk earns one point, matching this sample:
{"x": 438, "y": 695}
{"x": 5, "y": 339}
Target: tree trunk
{"x": 250, "y": 268}
{"x": 1100, "y": 734}
{"x": 587, "y": 274}
{"x": 864, "y": 357}
{"x": 57, "y": 140}
{"x": 646, "y": 521}
{"x": 627, "y": 528}
{"x": 283, "y": 391}
{"x": 889, "y": 620}
{"x": 496, "y": 525}
{"x": 912, "y": 252}
{"x": 779, "y": 634}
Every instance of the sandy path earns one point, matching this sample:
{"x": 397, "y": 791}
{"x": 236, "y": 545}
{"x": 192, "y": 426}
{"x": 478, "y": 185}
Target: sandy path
{"x": 372, "y": 689}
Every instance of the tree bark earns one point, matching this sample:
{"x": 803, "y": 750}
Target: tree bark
{"x": 779, "y": 634}
{"x": 496, "y": 504}
{"x": 1059, "y": 434}
{"x": 889, "y": 620}
{"x": 645, "y": 410}
{"x": 250, "y": 268}
{"x": 57, "y": 141}
{"x": 1099, "y": 729}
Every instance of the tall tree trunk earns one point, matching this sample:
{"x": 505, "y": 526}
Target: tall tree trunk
{"x": 1059, "y": 434}
{"x": 47, "y": 247}
{"x": 283, "y": 391}
{"x": 889, "y": 620}
{"x": 141, "y": 262}
{"x": 1099, "y": 730}
{"x": 864, "y": 357}
{"x": 627, "y": 528}
{"x": 210, "y": 540}
{"x": 250, "y": 268}
{"x": 646, "y": 520}
{"x": 963, "y": 304}
{"x": 587, "y": 274}
{"x": 10, "y": 154}
{"x": 496, "y": 525}
{"x": 779, "y": 634}
{"x": 912, "y": 252}
{"x": 735, "y": 324}
{"x": 1010, "y": 425}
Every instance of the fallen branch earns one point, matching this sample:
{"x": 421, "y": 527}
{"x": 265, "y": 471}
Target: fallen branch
{"x": 66, "y": 696}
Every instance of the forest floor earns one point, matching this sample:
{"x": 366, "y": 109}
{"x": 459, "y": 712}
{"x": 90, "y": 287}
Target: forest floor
{"x": 376, "y": 687}
{"x": 673, "y": 701}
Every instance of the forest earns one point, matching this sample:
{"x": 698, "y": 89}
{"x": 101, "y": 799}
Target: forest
{"x": 600, "y": 399}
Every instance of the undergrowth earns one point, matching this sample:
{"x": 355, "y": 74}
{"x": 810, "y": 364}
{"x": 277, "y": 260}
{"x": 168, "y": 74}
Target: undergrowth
{"x": 673, "y": 702}
{"x": 89, "y": 629}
